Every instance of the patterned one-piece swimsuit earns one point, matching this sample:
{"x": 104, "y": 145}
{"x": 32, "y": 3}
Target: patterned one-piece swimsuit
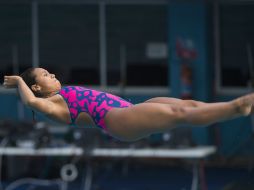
{"x": 93, "y": 102}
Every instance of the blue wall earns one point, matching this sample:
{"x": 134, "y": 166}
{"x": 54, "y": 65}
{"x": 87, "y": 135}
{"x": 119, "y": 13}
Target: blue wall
{"x": 187, "y": 29}
{"x": 9, "y": 106}
{"x": 187, "y": 22}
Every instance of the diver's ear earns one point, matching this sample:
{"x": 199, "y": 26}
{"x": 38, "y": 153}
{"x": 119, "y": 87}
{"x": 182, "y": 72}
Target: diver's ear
{"x": 36, "y": 88}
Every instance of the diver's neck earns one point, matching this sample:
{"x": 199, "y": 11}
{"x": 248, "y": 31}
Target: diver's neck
{"x": 50, "y": 94}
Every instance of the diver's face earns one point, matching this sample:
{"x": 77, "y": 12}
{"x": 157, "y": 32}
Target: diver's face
{"x": 46, "y": 82}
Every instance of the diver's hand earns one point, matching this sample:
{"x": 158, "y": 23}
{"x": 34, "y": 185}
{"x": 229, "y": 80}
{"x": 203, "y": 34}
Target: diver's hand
{"x": 11, "y": 81}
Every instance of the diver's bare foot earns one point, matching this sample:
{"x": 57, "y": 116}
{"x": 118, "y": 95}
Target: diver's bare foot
{"x": 245, "y": 104}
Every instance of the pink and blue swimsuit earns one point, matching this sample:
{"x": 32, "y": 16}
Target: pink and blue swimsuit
{"x": 93, "y": 102}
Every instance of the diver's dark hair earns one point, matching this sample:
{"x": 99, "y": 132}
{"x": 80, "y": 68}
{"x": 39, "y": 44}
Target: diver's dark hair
{"x": 29, "y": 79}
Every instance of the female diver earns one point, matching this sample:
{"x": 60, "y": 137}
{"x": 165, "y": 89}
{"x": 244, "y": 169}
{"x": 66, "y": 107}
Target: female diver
{"x": 76, "y": 105}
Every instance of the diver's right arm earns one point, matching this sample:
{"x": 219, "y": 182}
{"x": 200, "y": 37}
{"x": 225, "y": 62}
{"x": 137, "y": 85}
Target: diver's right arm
{"x": 27, "y": 96}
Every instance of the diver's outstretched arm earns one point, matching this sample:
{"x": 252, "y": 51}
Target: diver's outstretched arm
{"x": 27, "y": 96}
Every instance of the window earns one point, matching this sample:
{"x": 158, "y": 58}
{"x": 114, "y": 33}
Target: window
{"x": 137, "y": 45}
{"x": 15, "y": 38}
{"x": 69, "y": 42}
{"x": 236, "y": 44}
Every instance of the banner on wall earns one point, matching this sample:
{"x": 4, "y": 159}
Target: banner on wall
{"x": 186, "y": 54}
